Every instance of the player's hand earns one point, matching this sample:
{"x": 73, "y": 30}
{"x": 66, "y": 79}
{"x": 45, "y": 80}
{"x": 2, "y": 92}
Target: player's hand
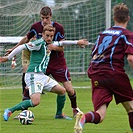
{"x": 13, "y": 64}
{"x": 82, "y": 43}
{"x": 51, "y": 47}
{"x": 8, "y": 51}
{"x": 3, "y": 59}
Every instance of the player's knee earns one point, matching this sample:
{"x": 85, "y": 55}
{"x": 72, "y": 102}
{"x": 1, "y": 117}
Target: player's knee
{"x": 35, "y": 103}
{"x": 63, "y": 91}
{"x": 70, "y": 92}
{"x": 35, "y": 100}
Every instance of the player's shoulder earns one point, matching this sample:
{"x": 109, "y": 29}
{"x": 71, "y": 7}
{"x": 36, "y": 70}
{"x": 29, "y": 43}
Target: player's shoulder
{"x": 128, "y": 32}
{"x": 115, "y": 30}
{"x": 57, "y": 25}
{"x": 36, "y": 24}
{"x": 38, "y": 41}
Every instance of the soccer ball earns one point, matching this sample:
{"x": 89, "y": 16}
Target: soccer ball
{"x": 26, "y": 117}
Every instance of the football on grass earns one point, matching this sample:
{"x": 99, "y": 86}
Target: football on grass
{"x": 26, "y": 117}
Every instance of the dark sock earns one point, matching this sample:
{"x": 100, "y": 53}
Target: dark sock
{"x": 73, "y": 100}
{"x": 26, "y": 95}
{"x": 130, "y": 116}
{"x": 25, "y": 91}
{"x": 92, "y": 117}
{"x": 23, "y": 82}
{"x": 60, "y": 104}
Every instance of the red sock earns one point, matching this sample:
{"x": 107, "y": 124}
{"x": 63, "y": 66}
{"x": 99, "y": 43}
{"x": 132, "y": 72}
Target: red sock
{"x": 130, "y": 116}
{"x": 92, "y": 117}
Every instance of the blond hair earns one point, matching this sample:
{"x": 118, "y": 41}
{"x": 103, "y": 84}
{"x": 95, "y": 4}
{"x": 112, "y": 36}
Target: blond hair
{"x": 48, "y": 27}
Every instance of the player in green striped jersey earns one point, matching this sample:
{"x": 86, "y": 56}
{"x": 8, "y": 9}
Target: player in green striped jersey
{"x": 35, "y": 77}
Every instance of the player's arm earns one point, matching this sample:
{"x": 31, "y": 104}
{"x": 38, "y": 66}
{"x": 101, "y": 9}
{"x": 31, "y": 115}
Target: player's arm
{"x": 13, "y": 53}
{"x": 56, "y": 48}
{"x": 130, "y": 60}
{"x": 23, "y": 40}
{"x": 82, "y": 43}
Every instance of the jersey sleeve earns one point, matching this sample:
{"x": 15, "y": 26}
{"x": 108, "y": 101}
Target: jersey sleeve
{"x": 35, "y": 45}
{"x": 129, "y": 45}
{"x": 59, "y": 33}
{"x": 64, "y": 43}
{"x": 31, "y": 33}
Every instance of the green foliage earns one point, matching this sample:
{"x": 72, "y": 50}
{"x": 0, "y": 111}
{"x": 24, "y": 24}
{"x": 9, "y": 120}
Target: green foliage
{"x": 116, "y": 119}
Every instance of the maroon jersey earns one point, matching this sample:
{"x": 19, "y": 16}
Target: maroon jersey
{"x": 57, "y": 65}
{"x": 109, "y": 51}
{"x": 56, "y": 58}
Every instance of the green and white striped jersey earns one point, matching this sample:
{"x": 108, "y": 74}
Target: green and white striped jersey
{"x": 39, "y": 56}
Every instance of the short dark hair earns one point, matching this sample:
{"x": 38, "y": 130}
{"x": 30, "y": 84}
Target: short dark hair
{"x": 46, "y": 11}
{"x": 121, "y": 13}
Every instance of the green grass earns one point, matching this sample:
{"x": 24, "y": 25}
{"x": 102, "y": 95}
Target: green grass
{"x": 116, "y": 120}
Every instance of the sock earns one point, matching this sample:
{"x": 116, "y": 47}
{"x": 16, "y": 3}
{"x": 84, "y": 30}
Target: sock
{"x": 22, "y": 105}
{"x": 60, "y": 103}
{"x": 23, "y": 83}
{"x": 92, "y": 117}
{"x": 26, "y": 95}
{"x": 25, "y": 91}
{"x": 73, "y": 100}
{"x": 130, "y": 116}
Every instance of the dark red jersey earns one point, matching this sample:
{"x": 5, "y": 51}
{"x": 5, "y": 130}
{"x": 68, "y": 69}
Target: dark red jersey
{"x": 110, "y": 50}
{"x": 56, "y": 58}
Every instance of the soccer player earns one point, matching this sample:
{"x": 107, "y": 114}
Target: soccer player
{"x": 35, "y": 77}
{"x": 57, "y": 65}
{"x": 106, "y": 70}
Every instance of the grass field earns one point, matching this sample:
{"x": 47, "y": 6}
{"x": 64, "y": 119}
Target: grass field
{"x": 116, "y": 119}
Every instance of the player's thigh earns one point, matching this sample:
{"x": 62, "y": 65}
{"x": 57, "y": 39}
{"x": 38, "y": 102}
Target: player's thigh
{"x": 128, "y": 106}
{"x": 60, "y": 74}
{"x": 122, "y": 88}
{"x": 101, "y": 94}
{"x": 58, "y": 89}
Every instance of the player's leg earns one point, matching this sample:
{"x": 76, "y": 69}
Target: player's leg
{"x": 124, "y": 95}
{"x": 90, "y": 117}
{"x": 72, "y": 96}
{"x": 34, "y": 92}
{"x": 101, "y": 97}
{"x": 129, "y": 108}
{"x": 62, "y": 74}
{"x": 20, "y": 106}
{"x": 25, "y": 63}
{"x": 34, "y": 101}
{"x": 55, "y": 87}
{"x": 61, "y": 98}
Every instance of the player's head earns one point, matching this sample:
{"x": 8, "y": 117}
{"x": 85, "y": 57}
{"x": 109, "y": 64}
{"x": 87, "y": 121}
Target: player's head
{"x": 46, "y": 15}
{"x": 48, "y": 33}
{"x": 121, "y": 13}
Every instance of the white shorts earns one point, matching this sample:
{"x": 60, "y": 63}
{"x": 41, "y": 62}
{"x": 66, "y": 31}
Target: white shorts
{"x": 36, "y": 82}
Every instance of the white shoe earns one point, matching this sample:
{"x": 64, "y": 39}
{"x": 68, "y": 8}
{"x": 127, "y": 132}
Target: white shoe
{"x": 75, "y": 111}
{"x": 78, "y": 127}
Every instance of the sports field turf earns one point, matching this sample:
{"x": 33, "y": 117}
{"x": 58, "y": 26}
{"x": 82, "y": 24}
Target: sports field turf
{"x": 116, "y": 120}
